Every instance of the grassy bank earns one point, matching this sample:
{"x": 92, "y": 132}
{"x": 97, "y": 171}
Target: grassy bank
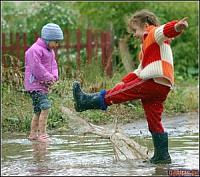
{"x": 17, "y": 105}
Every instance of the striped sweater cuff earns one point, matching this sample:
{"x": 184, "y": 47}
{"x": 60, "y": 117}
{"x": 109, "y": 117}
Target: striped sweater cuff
{"x": 169, "y": 29}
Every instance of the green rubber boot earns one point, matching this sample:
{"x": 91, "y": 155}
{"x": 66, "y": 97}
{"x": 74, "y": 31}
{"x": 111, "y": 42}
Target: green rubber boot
{"x": 161, "y": 154}
{"x": 85, "y": 101}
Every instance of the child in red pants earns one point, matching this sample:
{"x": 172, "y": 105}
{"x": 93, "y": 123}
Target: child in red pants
{"x": 151, "y": 82}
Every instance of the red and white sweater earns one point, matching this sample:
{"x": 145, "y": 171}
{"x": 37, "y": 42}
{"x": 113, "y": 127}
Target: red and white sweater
{"x": 156, "y": 60}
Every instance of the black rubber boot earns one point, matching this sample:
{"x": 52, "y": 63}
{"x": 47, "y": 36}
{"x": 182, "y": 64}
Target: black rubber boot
{"x": 85, "y": 101}
{"x": 161, "y": 154}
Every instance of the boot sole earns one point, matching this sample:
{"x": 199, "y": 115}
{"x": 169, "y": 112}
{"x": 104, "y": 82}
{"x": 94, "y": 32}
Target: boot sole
{"x": 168, "y": 161}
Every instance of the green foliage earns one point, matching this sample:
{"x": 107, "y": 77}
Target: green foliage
{"x": 184, "y": 47}
{"x": 31, "y": 16}
{"x": 182, "y": 100}
{"x": 112, "y": 13}
{"x": 17, "y": 110}
{"x": 13, "y": 77}
{"x": 16, "y": 17}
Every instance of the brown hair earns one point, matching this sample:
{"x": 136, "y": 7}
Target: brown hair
{"x": 141, "y": 17}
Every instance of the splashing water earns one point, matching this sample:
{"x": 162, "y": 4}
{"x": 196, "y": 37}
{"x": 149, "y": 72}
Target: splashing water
{"x": 124, "y": 147}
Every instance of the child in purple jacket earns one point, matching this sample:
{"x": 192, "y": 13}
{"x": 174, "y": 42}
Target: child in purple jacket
{"x": 41, "y": 72}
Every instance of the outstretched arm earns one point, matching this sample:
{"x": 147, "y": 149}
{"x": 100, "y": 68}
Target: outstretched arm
{"x": 170, "y": 30}
{"x": 181, "y": 25}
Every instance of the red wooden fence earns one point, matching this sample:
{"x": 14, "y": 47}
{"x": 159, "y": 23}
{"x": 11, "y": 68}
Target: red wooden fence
{"x": 92, "y": 45}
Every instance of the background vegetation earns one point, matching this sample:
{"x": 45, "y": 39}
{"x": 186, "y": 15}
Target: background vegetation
{"x": 17, "y": 109}
{"x": 16, "y": 17}
{"x": 31, "y": 16}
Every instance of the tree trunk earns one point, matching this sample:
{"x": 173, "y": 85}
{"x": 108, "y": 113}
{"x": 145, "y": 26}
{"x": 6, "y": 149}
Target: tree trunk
{"x": 125, "y": 55}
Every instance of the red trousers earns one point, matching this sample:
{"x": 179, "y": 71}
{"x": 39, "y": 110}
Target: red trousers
{"x": 151, "y": 94}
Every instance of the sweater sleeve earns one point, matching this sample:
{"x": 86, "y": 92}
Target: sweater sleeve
{"x": 166, "y": 32}
{"x": 38, "y": 70}
{"x": 132, "y": 76}
{"x": 129, "y": 77}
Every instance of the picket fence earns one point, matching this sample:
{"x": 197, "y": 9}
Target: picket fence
{"x": 94, "y": 41}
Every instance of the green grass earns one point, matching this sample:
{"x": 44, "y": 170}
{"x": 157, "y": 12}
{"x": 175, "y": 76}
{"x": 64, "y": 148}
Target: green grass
{"x": 17, "y": 108}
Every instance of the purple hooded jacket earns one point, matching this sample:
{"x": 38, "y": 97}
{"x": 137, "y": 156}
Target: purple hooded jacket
{"x": 40, "y": 65}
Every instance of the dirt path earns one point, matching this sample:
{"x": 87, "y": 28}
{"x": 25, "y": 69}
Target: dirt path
{"x": 179, "y": 124}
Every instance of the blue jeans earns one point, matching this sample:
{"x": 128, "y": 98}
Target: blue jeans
{"x": 40, "y": 101}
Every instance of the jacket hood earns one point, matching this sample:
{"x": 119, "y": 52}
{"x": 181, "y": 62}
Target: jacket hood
{"x": 41, "y": 43}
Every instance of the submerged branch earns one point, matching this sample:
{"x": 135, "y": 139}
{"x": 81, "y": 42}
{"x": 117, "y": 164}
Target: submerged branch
{"x": 123, "y": 146}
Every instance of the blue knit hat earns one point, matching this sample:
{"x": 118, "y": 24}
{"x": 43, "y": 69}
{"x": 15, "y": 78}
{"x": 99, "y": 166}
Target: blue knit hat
{"x": 51, "y": 32}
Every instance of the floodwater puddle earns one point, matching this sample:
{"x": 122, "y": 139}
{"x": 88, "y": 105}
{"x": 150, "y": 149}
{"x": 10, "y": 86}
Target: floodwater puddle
{"x": 90, "y": 155}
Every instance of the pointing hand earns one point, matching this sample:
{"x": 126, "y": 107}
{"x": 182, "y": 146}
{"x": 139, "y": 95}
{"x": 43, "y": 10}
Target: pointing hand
{"x": 182, "y": 24}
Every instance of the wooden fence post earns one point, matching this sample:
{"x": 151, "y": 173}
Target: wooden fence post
{"x": 104, "y": 44}
{"x": 96, "y": 44}
{"x": 103, "y": 50}
{"x": 89, "y": 45}
{"x": 67, "y": 45}
{"x": 18, "y": 47}
{"x": 4, "y": 49}
{"x": 11, "y": 44}
{"x": 36, "y": 35}
{"x": 108, "y": 64}
{"x": 106, "y": 53}
{"x": 25, "y": 45}
{"x": 78, "y": 48}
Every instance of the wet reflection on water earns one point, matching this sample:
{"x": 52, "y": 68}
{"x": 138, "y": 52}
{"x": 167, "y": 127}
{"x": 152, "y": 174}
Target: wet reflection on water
{"x": 76, "y": 155}
{"x": 88, "y": 155}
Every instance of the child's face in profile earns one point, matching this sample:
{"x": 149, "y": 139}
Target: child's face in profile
{"x": 137, "y": 32}
{"x": 53, "y": 44}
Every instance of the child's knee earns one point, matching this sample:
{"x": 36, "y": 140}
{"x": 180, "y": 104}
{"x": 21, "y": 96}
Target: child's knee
{"x": 45, "y": 112}
{"x": 36, "y": 116}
